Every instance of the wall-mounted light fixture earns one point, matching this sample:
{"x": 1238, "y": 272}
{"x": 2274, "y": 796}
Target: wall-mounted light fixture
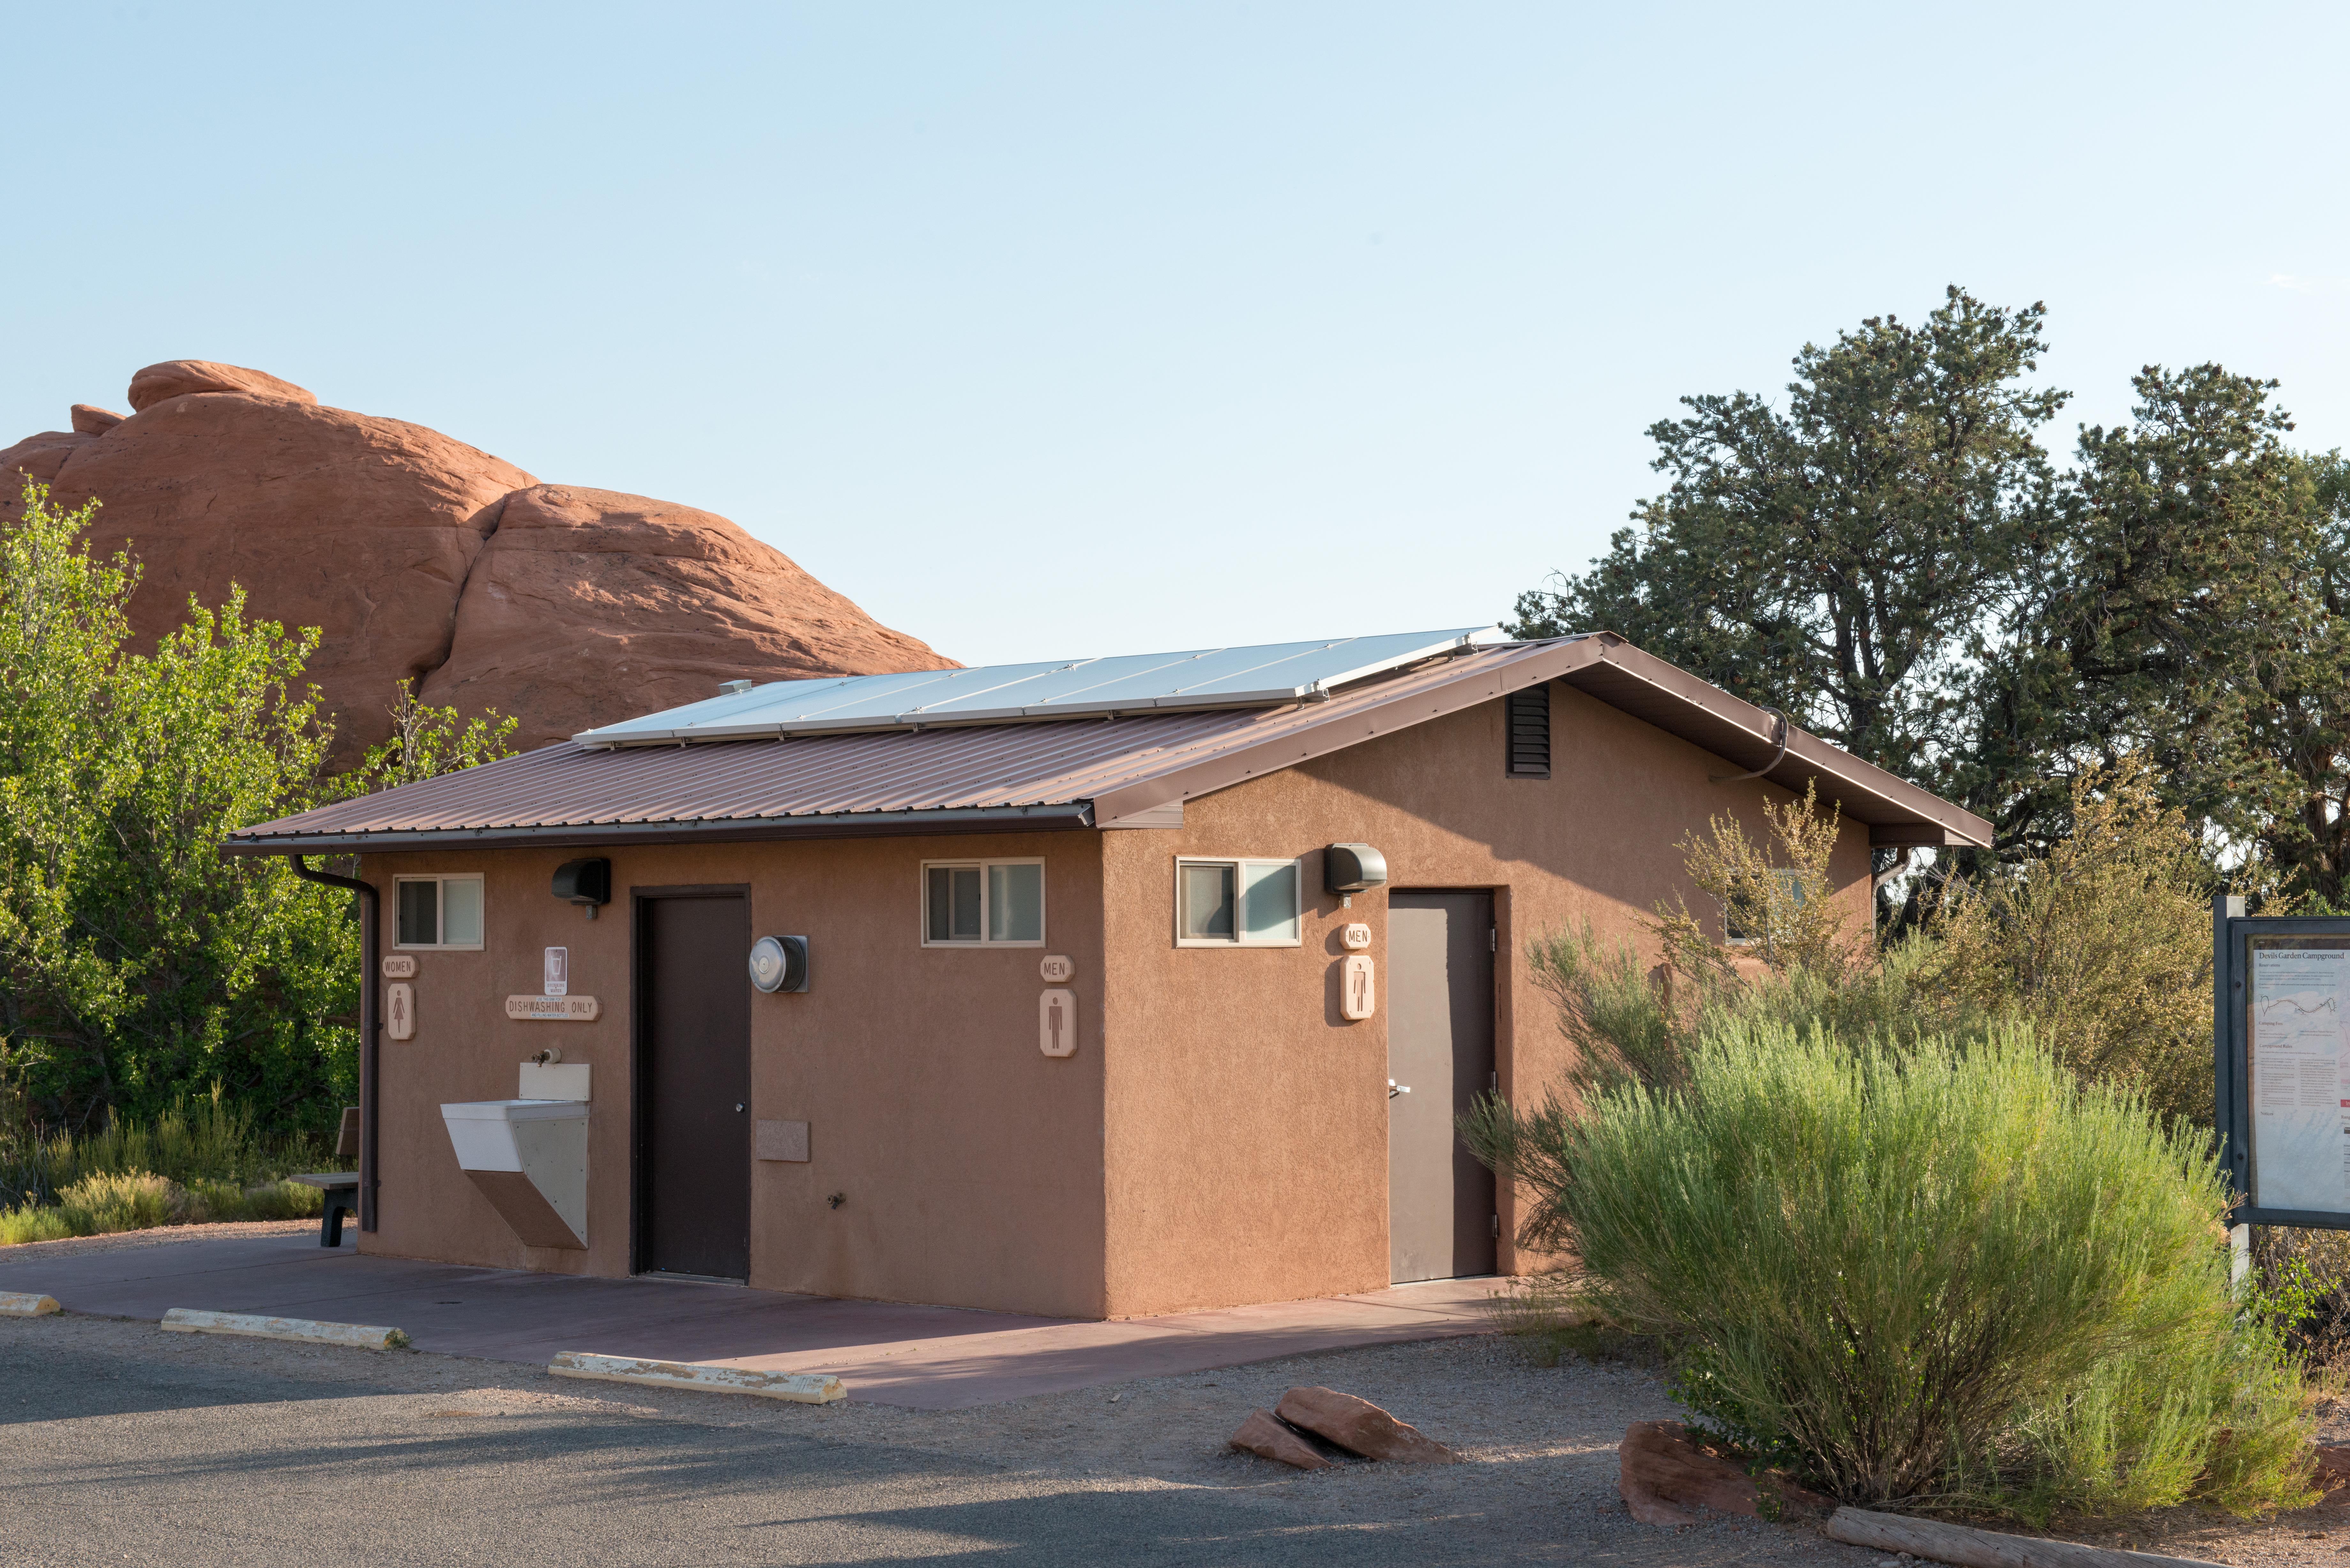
{"x": 1353, "y": 868}
{"x": 780, "y": 963}
{"x": 588, "y": 883}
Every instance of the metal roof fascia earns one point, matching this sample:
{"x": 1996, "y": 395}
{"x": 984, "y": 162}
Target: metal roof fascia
{"x": 1818, "y": 757}
{"x": 1349, "y": 727}
{"x": 717, "y": 830}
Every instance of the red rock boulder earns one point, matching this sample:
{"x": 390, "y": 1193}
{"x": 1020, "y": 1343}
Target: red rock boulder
{"x": 587, "y": 607}
{"x": 1360, "y": 1426}
{"x": 1268, "y": 1438}
{"x": 362, "y": 527}
{"x": 2332, "y": 1475}
{"x": 421, "y": 558}
{"x": 1664, "y": 1477}
{"x": 179, "y": 377}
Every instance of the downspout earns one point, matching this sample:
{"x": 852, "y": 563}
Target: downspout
{"x": 1779, "y": 740}
{"x": 370, "y": 947}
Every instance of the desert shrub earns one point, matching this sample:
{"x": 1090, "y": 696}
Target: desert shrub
{"x": 211, "y": 1151}
{"x": 1921, "y": 1274}
{"x": 2301, "y": 1279}
{"x": 105, "y": 1202}
{"x": 2103, "y": 945}
{"x": 1549, "y": 1318}
{"x": 275, "y": 1200}
{"x": 33, "y": 1224}
{"x": 1628, "y": 1028}
{"x": 101, "y": 1203}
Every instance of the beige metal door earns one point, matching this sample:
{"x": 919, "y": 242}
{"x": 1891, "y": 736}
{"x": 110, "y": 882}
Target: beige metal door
{"x": 1441, "y": 1214}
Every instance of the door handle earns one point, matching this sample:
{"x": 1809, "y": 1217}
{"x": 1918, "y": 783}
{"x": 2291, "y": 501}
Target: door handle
{"x": 1395, "y": 1088}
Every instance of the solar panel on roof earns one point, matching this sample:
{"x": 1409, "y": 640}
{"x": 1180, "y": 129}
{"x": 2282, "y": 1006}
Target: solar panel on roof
{"x": 1267, "y": 675}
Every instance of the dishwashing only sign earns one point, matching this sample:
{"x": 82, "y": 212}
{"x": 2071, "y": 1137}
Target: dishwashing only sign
{"x": 561, "y": 1009}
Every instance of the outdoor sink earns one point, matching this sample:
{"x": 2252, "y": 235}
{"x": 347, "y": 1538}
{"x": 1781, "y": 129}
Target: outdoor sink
{"x": 529, "y": 1157}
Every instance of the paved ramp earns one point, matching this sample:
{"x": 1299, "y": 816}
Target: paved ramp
{"x": 925, "y": 1357}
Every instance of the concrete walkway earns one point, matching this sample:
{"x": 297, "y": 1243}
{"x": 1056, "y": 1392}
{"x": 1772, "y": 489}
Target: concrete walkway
{"x": 924, "y": 1357}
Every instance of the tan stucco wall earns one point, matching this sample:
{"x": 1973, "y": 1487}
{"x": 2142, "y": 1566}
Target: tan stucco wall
{"x": 1219, "y": 1136}
{"x": 1246, "y": 1121}
{"x": 970, "y": 1163}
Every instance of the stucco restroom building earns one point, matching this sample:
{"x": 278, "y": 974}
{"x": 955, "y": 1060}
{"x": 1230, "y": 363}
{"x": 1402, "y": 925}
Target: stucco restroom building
{"x": 1075, "y": 1023}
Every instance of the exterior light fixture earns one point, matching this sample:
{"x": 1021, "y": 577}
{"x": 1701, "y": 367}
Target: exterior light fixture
{"x": 780, "y": 963}
{"x": 1353, "y": 868}
{"x": 586, "y": 883}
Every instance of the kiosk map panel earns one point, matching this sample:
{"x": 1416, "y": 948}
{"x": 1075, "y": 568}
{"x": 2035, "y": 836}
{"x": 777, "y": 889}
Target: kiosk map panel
{"x": 2299, "y": 1022}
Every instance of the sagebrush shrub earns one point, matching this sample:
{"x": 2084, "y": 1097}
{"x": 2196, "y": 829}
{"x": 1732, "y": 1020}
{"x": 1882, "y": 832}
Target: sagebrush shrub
{"x": 1922, "y": 1273}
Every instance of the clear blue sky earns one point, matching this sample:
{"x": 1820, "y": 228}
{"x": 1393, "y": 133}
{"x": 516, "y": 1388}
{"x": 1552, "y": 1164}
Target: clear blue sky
{"x": 1059, "y": 329}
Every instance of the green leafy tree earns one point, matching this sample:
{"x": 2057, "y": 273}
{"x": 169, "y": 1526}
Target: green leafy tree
{"x": 138, "y": 967}
{"x": 425, "y": 743}
{"x": 2192, "y": 611}
{"x": 1833, "y": 557}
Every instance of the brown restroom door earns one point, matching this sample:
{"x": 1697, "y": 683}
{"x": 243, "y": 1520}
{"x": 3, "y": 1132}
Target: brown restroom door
{"x": 1441, "y": 1214}
{"x": 694, "y": 1084}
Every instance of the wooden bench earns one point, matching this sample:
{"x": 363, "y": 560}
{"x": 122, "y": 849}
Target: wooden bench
{"x": 342, "y": 1192}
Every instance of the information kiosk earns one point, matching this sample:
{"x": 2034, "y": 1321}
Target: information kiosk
{"x": 2280, "y": 1038}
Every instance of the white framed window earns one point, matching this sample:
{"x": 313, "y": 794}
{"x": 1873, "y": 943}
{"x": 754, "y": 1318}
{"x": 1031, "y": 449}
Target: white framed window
{"x": 982, "y": 903}
{"x": 1236, "y": 903}
{"x": 437, "y": 912}
{"x": 1746, "y": 916}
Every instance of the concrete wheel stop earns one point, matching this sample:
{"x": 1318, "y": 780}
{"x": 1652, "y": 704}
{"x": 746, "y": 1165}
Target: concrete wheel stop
{"x": 362, "y": 1336}
{"x": 800, "y": 1387}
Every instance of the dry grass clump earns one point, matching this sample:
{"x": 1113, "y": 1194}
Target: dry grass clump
{"x": 108, "y": 1202}
{"x": 189, "y": 1166}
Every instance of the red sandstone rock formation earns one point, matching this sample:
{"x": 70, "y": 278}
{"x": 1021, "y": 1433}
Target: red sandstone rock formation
{"x": 1664, "y": 1477}
{"x": 600, "y": 606}
{"x": 1360, "y": 1426}
{"x": 1269, "y": 1438}
{"x": 422, "y": 559}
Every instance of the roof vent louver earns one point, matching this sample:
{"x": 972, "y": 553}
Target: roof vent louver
{"x": 1529, "y": 718}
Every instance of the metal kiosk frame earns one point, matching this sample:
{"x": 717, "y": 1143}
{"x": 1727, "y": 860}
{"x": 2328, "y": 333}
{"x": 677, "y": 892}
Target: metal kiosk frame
{"x": 2232, "y": 934}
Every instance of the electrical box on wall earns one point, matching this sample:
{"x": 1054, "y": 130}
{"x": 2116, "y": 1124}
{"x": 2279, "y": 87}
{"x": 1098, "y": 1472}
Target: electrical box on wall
{"x": 1353, "y": 868}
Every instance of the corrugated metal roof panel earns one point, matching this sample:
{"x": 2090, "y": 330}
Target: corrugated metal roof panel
{"x": 1059, "y": 773}
{"x": 1267, "y": 675}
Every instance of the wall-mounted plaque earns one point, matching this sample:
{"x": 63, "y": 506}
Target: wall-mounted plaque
{"x": 556, "y": 1009}
{"x": 1357, "y": 990}
{"x": 1057, "y": 1023}
{"x": 1354, "y": 936}
{"x": 400, "y": 1010}
{"x": 559, "y": 971}
{"x": 399, "y": 966}
{"x": 782, "y": 1140}
{"x": 1057, "y": 969}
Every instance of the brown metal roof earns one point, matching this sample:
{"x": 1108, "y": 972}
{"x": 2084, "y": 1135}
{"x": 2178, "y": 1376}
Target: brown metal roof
{"x": 1067, "y": 773}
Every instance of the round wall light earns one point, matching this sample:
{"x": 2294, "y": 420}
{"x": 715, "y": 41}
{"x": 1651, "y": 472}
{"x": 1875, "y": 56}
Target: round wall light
{"x": 780, "y": 963}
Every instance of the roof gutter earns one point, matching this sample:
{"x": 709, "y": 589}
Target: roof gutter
{"x": 708, "y": 830}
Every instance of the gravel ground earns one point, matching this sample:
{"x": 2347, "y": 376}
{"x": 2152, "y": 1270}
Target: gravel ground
{"x": 121, "y": 1443}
